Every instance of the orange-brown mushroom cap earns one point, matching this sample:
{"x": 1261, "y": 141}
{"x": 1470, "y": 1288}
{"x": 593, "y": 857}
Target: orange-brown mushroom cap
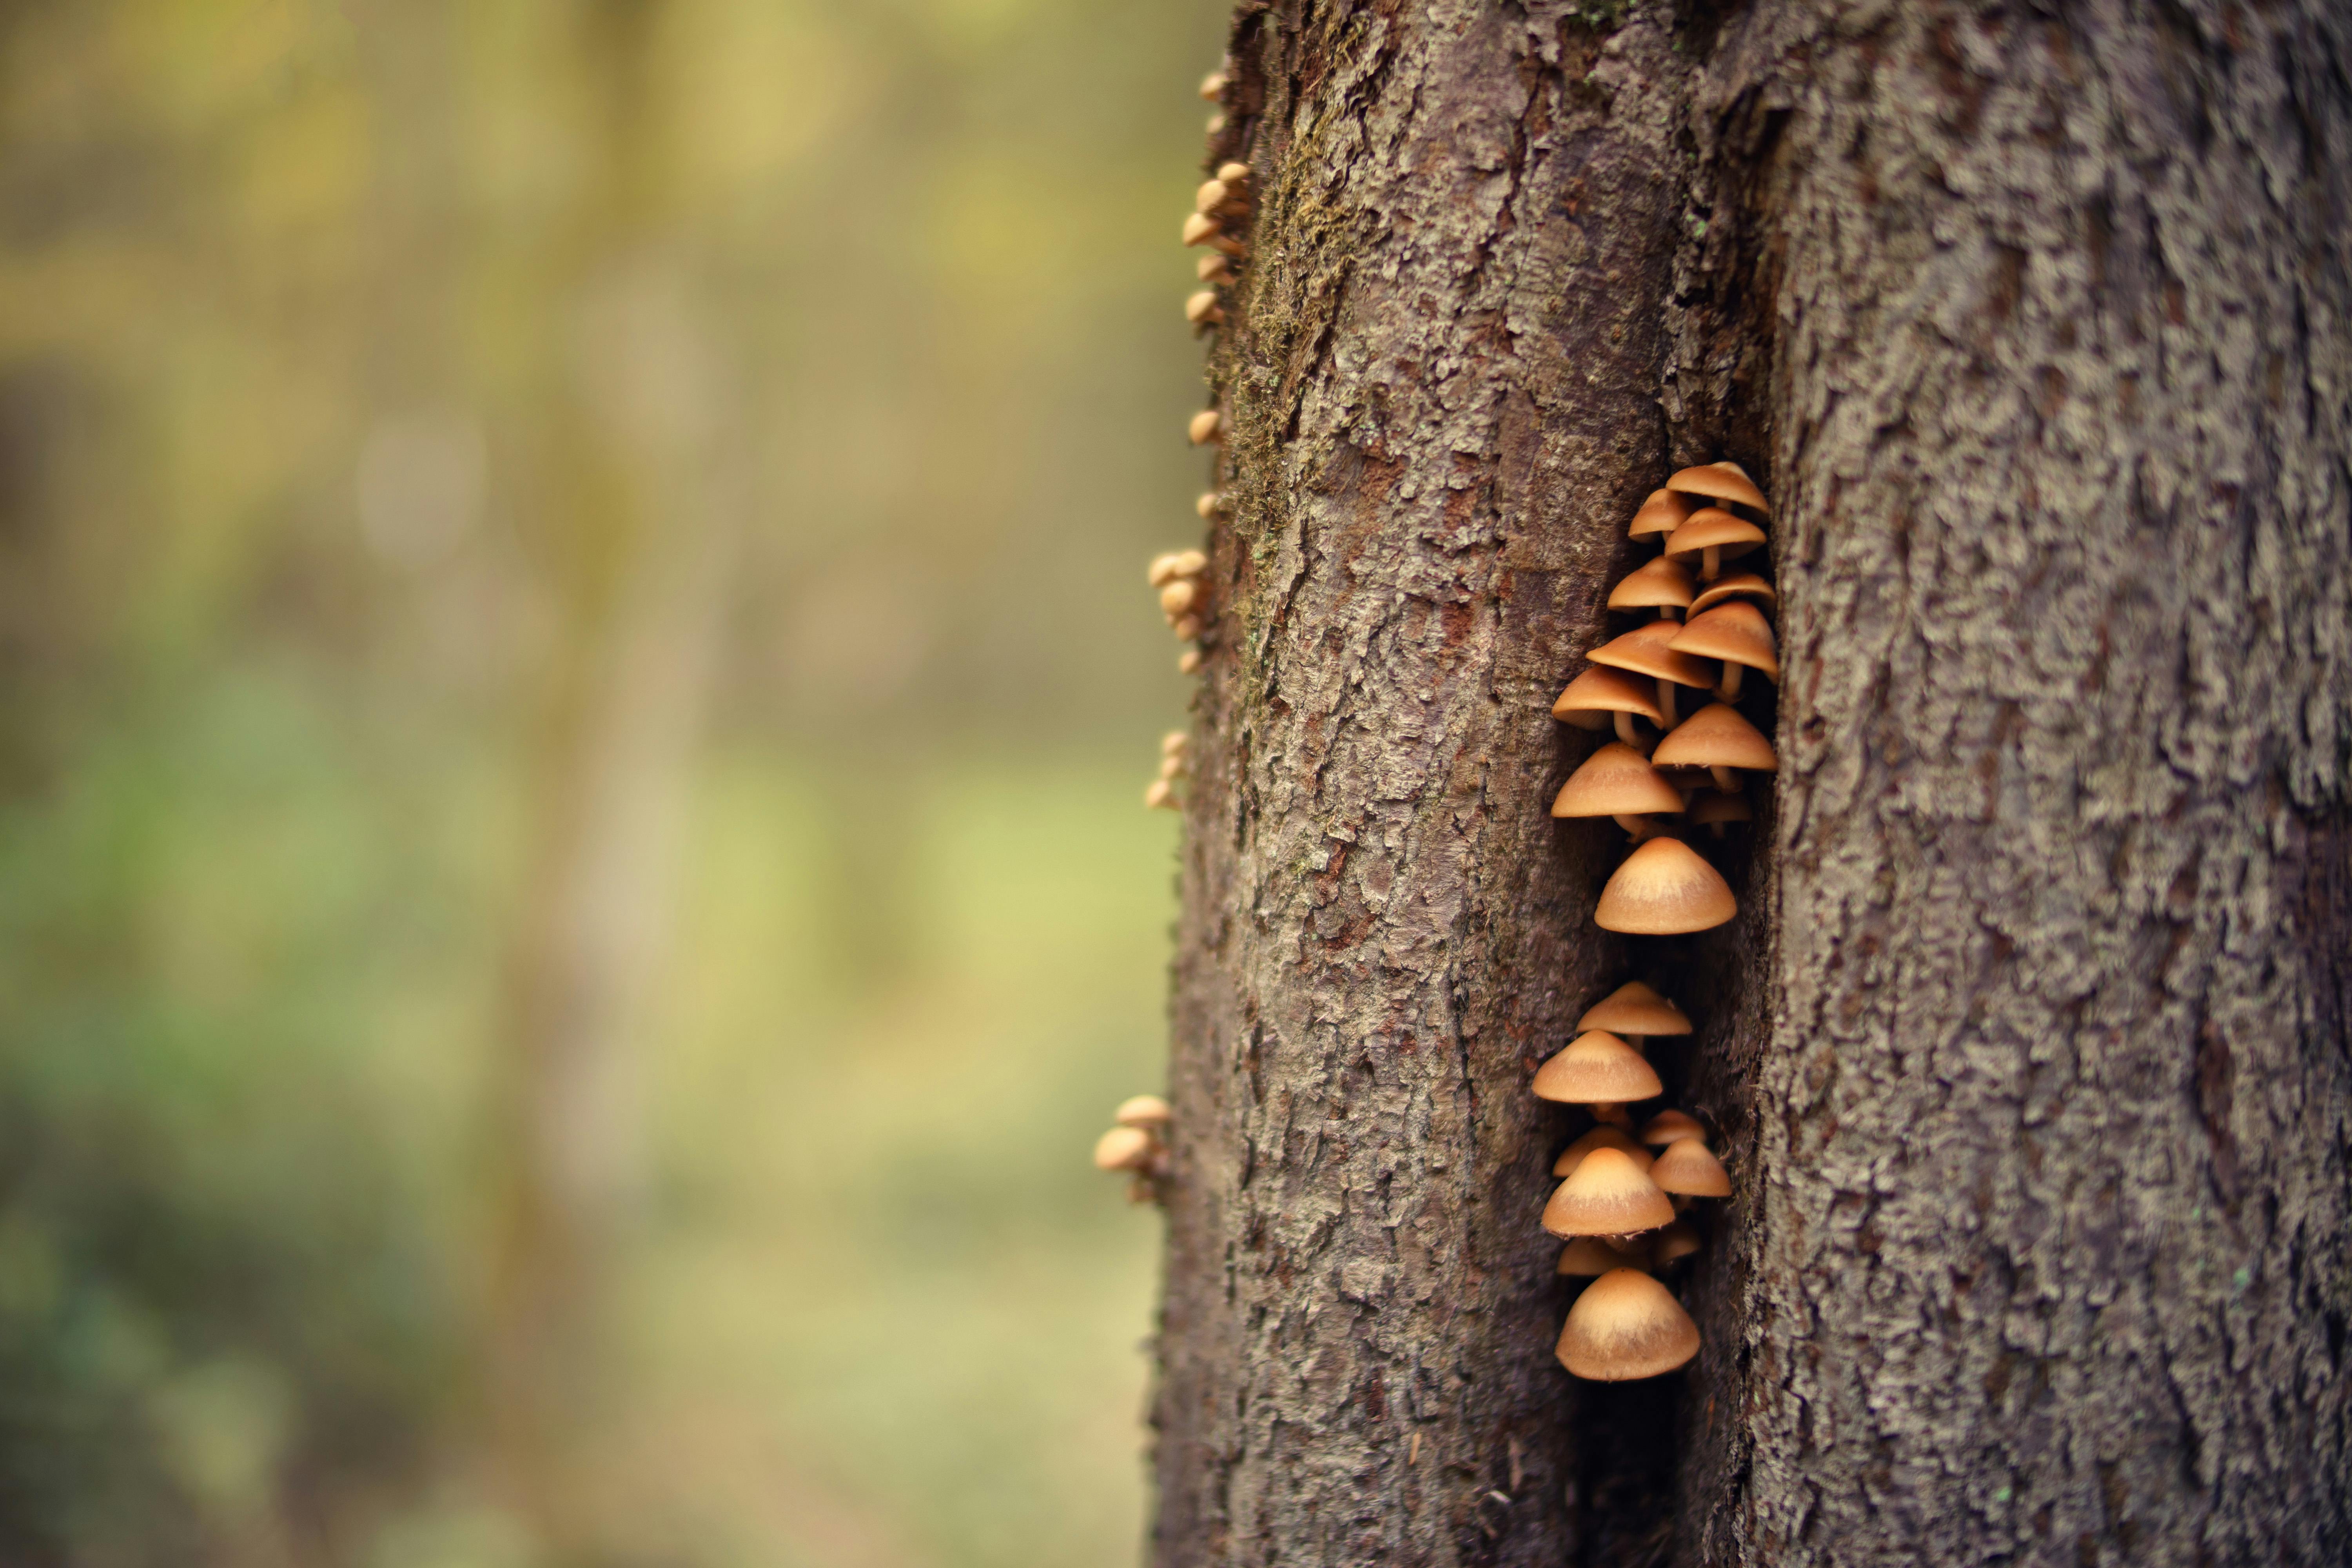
{"x": 1659, "y": 584}
{"x": 1626, "y": 1325}
{"x": 1688, "y": 1167}
{"x": 1602, "y": 1137}
{"x": 1597, "y": 1068}
{"x": 1717, "y": 529}
{"x": 1668, "y": 1125}
{"x": 1719, "y": 481}
{"x": 1736, "y": 633}
{"x": 1733, "y": 585}
{"x": 1591, "y": 697}
{"x": 1717, "y": 736}
{"x": 1608, "y": 1194}
{"x": 1646, "y": 650}
{"x": 1634, "y": 1009}
{"x": 1589, "y": 1255}
{"x": 1663, "y": 512}
{"x": 1615, "y": 781}
{"x": 1124, "y": 1149}
{"x": 1663, "y": 889}
{"x": 1143, "y": 1110}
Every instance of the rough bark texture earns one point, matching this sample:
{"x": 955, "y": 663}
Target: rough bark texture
{"x": 2030, "y": 1048}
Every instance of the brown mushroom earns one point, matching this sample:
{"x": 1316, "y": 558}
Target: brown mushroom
{"x": 1126, "y": 1148}
{"x": 1594, "y": 698}
{"x": 1200, "y": 228}
{"x": 1662, "y": 586}
{"x": 1203, "y": 310}
{"x": 1207, "y": 426}
{"x": 1736, "y": 585}
{"x": 1719, "y": 739}
{"x": 1662, "y": 513}
{"x": 1687, "y": 1166}
{"x": 1603, "y": 1137}
{"x": 1597, "y": 1068}
{"x": 1589, "y": 1255}
{"x": 1617, "y": 780}
{"x": 1624, "y": 1326}
{"x": 1214, "y": 267}
{"x": 1612, "y": 1113}
{"x": 1668, "y": 1125}
{"x": 1212, "y": 86}
{"x": 1715, "y": 536}
{"x": 1644, "y": 651}
{"x": 1721, "y": 482}
{"x": 1739, "y": 635}
{"x": 1143, "y": 1110}
{"x": 1663, "y": 889}
{"x": 1634, "y": 1009}
{"x": 1672, "y": 1244}
{"x": 1608, "y": 1194}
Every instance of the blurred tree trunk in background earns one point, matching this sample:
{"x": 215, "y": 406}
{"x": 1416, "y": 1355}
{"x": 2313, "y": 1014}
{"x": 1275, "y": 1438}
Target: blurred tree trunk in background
{"x": 2029, "y": 1049}
{"x": 636, "y": 532}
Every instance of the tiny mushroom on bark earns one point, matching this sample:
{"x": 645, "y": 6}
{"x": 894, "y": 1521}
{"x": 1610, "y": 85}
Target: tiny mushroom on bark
{"x": 1589, "y": 1255}
{"x": 1719, "y": 739}
{"x": 1635, "y": 1010}
{"x": 1626, "y": 1325}
{"x": 1207, "y": 426}
{"x": 1735, "y": 585}
{"x": 1663, "y": 889}
{"x": 1668, "y": 1125}
{"x": 1687, "y": 1167}
{"x": 1617, "y": 780}
{"x": 1126, "y": 1148}
{"x": 1597, "y": 1068}
{"x": 1646, "y": 650}
{"x": 1739, "y": 635}
{"x": 1202, "y": 309}
{"x": 1609, "y": 1194}
{"x": 1593, "y": 699}
{"x": 1660, "y": 515}
{"x": 1615, "y": 1138}
{"x": 1212, "y": 87}
{"x": 1189, "y": 662}
{"x": 1720, "y": 483}
{"x": 1662, "y": 586}
{"x": 1715, "y": 536}
{"x": 1143, "y": 1110}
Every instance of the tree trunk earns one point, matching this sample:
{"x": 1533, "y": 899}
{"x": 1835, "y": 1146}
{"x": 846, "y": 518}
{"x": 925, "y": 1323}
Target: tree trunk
{"x": 2030, "y": 1050}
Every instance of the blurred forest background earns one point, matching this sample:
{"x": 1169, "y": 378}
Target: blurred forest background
{"x": 577, "y": 683}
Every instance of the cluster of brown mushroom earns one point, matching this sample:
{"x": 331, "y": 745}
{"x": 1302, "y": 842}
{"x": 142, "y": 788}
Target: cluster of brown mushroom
{"x": 1135, "y": 1145}
{"x": 1621, "y": 1191}
{"x": 1183, "y": 598}
{"x": 1175, "y": 761}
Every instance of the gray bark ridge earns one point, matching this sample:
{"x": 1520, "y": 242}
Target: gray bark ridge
{"x": 1442, "y": 373}
{"x": 2046, "y": 1260}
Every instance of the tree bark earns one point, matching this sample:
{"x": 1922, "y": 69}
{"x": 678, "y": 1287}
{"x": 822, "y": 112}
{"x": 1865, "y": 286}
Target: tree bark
{"x": 2029, "y": 1050}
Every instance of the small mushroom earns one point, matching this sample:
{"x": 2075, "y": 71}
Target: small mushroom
{"x": 1715, "y": 536}
{"x": 1146, "y": 1111}
{"x": 1608, "y": 1194}
{"x": 1617, "y": 780}
{"x": 1215, "y": 124}
{"x": 1673, "y": 1244}
{"x": 1593, "y": 700}
{"x": 1212, "y": 87}
{"x": 1189, "y": 662}
{"x": 1662, "y": 513}
{"x": 1214, "y": 267}
{"x": 1644, "y": 651}
{"x": 1235, "y": 175}
{"x": 1668, "y": 1125}
{"x": 1719, "y": 739}
{"x": 1209, "y": 504}
{"x": 1212, "y": 197}
{"x": 1200, "y": 228}
{"x": 1597, "y": 1068}
{"x": 1624, "y": 1326}
{"x": 1714, "y": 810}
{"x": 1721, "y": 482}
{"x": 1191, "y": 562}
{"x": 1203, "y": 310}
{"x": 1663, "y": 889}
{"x": 1600, "y": 1138}
{"x": 1161, "y": 796}
{"x": 1178, "y": 596}
{"x": 1126, "y": 1148}
{"x": 1662, "y": 586}
{"x": 1163, "y": 570}
{"x": 1612, "y": 1113}
{"x": 1738, "y": 586}
{"x": 1739, "y": 635}
{"x": 1206, "y": 427}
{"x": 1687, "y": 1166}
{"x": 1634, "y": 1009}
{"x": 1589, "y": 1255}
{"x": 1186, "y": 627}
{"x": 1175, "y": 743}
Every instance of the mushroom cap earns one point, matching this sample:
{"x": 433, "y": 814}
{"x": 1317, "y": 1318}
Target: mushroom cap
{"x": 1717, "y": 529}
{"x": 1626, "y": 1325}
{"x": 1615, "y": 781}
{"x": 1651, "y": 585}
{"x": 1663, "y": 889}
{"x": 1736, "y": 633}
{"x": 1677, "y": 1241}
{"x": 1199, "y": 226}
{"x": 1668, "y": 1125}
{"x": 1232, "y": 174}
{"x": 1602, "y": 1137}
{"x": 1720, "y": 482}
{"x": 1211, "y": 86}
{"x": 1205, "y": 426}
{"x": 1588, "y": 698}
{"x": 1589, "y": 1255}
{"x": 1143, "y": 1110}
{"x": 1210, "y": 196}
{"x": 1663, "y": 512}
{"x": 1597, "y": 1068}
{"x": 1634, "y": 1009}
{"x": 1687, "y": 1166}
{"x": 1123, "y": 1149}
{"x": 1608, "y": 1194}
{"x": 1646, "y": 650}
{"x": 1735, "y": 585}
{"x": 1717, "y": 736}
{"x": 1713, "y": 806}
{"x": 1199, "y": 306}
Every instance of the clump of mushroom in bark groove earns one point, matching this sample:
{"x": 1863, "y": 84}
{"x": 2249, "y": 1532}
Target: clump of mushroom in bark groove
{"x": 1621, "y": 1192}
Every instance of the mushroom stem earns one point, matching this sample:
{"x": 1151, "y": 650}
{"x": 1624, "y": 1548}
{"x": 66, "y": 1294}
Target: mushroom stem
{"x": 1710, "y": 561}
{"x": 1670, "y": 613}
{"x": 1666, "y": 702}
{"x": 1729, "y": 687}
{"x": 1625, "y": 728}
{"x": 1726, "y": 780}
{"x": 1639, "y": 826}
